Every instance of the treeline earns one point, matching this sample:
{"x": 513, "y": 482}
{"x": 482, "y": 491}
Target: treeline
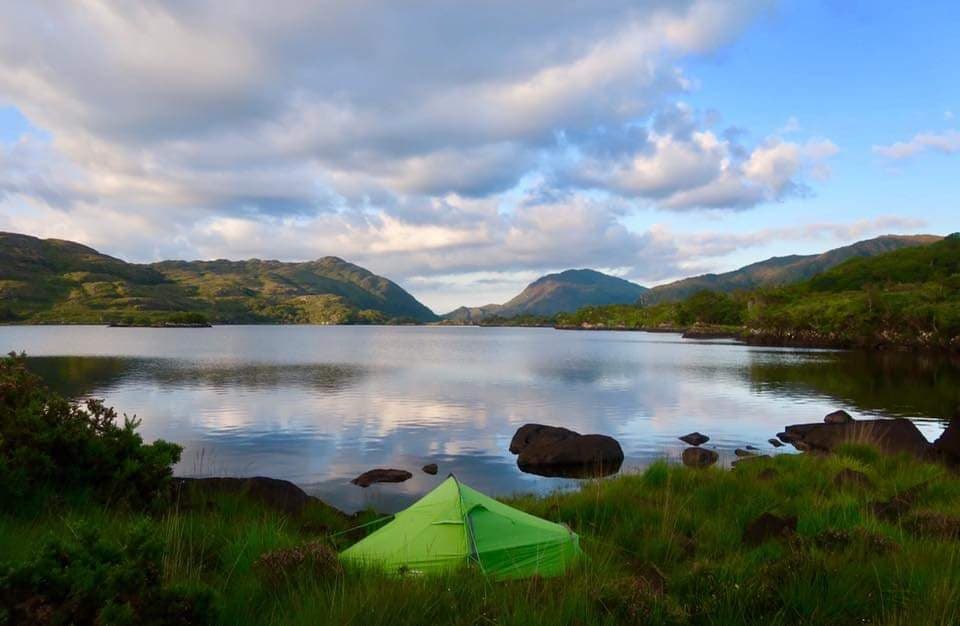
{"x": 909, "y": 297}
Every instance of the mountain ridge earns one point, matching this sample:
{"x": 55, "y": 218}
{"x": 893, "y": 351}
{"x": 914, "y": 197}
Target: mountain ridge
{"x": 49, "y": 280}
{"x": 777, "y": 271}
{"x": 559, "y": 292}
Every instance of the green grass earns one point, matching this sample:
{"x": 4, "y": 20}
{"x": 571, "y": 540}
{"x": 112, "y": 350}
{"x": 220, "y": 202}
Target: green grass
{"x": 843, "y": 566}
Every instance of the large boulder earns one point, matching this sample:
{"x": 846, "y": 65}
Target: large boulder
{"x": 556, "y": 451}
{"x": 381, "y": 476}
{"x": 699, "y": 457}
{"x": 889, "y": 435}
{"x": 540, "y": 434}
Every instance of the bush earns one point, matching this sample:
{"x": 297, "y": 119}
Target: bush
{"x": 49, "y": 443}
{"x": 91, "y": 580}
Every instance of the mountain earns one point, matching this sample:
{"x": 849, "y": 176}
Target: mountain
{"x": 470, "y": 314}
{"x": 557, "y": 293}
{"x": 782, "y": 270}
{"x": 51, "y": 280}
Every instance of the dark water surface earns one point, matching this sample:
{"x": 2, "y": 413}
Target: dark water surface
{"x": 318, "y": 405}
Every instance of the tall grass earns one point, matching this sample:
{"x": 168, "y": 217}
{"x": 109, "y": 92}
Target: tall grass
{"x": 662, "y": 546}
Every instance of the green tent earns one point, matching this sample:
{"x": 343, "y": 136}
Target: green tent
{"x": 455, "y": 526}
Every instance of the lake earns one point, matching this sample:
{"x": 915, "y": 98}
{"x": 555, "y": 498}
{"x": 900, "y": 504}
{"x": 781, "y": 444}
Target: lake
{"x": 318, "y": 405}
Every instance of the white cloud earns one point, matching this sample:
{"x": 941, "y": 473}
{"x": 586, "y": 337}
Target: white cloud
{"x": 420, "y": 140}
{"x": 946, "y": 142}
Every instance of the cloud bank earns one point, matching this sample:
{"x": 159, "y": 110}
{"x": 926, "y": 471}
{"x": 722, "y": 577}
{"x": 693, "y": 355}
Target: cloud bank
{"x": 422, "y": 140}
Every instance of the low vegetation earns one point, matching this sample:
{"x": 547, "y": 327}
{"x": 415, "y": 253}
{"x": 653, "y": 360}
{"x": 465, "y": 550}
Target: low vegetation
{"x": 668, "y": 545}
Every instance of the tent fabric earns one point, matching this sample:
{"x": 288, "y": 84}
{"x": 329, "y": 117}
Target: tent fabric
{"x": 455, "y": 526}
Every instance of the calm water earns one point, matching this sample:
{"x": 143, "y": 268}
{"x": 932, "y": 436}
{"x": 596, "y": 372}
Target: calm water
{"x": 318, "y": 405}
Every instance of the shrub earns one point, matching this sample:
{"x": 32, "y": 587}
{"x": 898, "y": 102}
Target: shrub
{"x": 49, "y": 443}
{"x": 91, "y": 580}
{"x": 310, "y": 559}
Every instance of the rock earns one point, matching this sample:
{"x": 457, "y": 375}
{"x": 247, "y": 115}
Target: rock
{"x": 381, "y": 476}
{"x": 837, "y": 417}
{"x": 893, "y": 509}
{"x": 530, "y": 433}
{"x": 892, "y": 436}
{"x": 947, "y": 444}
{"x": 280, "y": 494}
{"x": 776, "y": 443}
{"x": 555, "y": 451}
{"x": 740, "y": 452}
{"x": 786, "y": 437}
{"x": 699, "y": 457}
{"x": 431, "y": 468}
{"x": 768, "y": 526}
{"x": 852, "y": 478}
{"x": 695, "y": 439}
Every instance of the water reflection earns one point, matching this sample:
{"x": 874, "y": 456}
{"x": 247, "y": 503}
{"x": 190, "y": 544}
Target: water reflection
{"x": 319, "y": 405}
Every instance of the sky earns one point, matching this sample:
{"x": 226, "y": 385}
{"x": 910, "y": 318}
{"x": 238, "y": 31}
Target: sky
{"x": 464, "y": 149}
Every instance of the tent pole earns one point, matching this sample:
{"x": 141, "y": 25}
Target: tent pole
{"x": 471, "y": 539}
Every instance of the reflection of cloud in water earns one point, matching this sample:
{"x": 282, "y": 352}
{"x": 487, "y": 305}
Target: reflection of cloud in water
{"x": 320, "y": 405}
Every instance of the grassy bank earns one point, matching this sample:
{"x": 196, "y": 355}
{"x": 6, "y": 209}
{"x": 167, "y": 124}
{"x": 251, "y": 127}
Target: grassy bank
{"x": 666, "y": 545}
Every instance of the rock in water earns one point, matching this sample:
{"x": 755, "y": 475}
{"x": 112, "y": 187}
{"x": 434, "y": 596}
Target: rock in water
{"x": 892, "y": 436}
{"x": 740, "y": 452}
{"x": 529, "y": 433}
{"x": 838, "y": 417}
{"x": 695, "y": 439}
{"x": 776, "y": 443}
{"x": 430, "y": 468}
{"x": 699, "y": 457}
{"x": 768, "y": 526}
{"x": 556, "y": 451}
{"x": 381, "y": 476}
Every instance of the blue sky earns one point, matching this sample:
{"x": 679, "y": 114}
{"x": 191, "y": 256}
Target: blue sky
{"x": 465, "y": 152}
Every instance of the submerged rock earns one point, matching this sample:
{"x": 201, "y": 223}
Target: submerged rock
{"x": 381, "y": 476}
{"x": 699, "y": 457}
{"x": 430, "y": 468}
{"x": 695, "y": 439}
{"x": 556, "y": 451}
{"x": 768, "y": 526}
